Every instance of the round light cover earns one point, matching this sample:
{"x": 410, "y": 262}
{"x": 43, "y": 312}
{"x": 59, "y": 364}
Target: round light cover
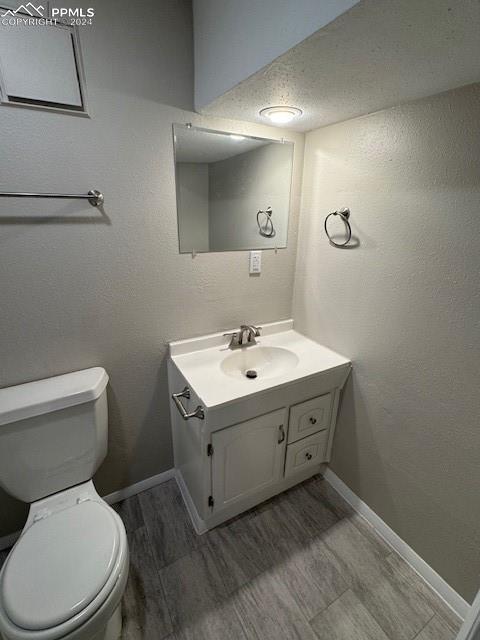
{"x": 281, "y": 114}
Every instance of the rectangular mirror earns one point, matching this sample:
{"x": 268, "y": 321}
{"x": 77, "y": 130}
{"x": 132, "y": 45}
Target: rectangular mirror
{"x": 233, "y": 191}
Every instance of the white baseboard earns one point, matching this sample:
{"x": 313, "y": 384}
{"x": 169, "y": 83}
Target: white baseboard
{"x": 9, "y": 540}
{"x": 138, "y": 487}
{"x": 471, "y": 626}
{"x": 424, "y": 570}
{"x": 198, "y": 523}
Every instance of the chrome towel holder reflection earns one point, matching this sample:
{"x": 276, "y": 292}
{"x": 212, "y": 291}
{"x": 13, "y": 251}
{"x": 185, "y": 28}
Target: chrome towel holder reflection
{"x": 94, "y": 197}
{"x": 267, "y": 230}
{"x": 344, "y": 214}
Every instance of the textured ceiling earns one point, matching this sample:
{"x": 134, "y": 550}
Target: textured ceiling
{"x": 379, "y": 54}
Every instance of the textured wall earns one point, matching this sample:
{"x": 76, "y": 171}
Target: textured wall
{"x": 404, "y": 306}
{"x": 88, "y": 290}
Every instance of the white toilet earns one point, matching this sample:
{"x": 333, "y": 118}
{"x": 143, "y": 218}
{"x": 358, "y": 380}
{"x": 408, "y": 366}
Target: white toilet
{"x": 66, "y": 575}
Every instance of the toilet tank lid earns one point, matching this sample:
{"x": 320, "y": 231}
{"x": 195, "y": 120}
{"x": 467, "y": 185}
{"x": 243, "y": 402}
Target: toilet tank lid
{"x": 43, "y": 396}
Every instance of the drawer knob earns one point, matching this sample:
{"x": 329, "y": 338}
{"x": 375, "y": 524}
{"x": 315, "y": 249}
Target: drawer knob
{"x": 308, "y": 456}
{"x": 313, "y": 420}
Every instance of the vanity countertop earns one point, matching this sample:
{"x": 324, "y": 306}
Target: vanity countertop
{"x": 281, "y": 356}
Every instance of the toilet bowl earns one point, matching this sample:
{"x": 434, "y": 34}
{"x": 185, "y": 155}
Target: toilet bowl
{"x": 66, "y": 575}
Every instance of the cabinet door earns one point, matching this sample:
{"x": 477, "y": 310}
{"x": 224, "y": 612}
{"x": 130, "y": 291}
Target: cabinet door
{"x": 248, "y": 458}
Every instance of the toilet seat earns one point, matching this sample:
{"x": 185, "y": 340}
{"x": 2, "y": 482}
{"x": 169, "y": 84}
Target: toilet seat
{"x": 73, "y": 560}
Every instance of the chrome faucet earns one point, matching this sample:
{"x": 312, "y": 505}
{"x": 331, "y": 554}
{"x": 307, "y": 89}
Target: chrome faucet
{"x": 245, "y": 337}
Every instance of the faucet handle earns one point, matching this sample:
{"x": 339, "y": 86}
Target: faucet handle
{"x": 252, "y": 328}
{"x": 244, "y": 337}
{"x": 235, "y": 337}
{"x": 255, "y": 331}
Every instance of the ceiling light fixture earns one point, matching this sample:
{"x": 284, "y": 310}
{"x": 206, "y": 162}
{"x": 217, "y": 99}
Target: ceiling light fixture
{"x": 281, "y": 115}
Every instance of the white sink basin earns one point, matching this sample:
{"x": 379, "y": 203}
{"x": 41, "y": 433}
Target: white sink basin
{"x": 266, "y": 362}
{"x": 217, "y": 374}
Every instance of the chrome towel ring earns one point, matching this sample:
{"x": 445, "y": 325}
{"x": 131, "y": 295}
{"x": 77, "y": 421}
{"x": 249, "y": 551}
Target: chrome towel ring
{"x": 344, "y": 215}
{"x": 267, "y": 230}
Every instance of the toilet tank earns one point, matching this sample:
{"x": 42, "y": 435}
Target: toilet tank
{"x": 53, "y": 433}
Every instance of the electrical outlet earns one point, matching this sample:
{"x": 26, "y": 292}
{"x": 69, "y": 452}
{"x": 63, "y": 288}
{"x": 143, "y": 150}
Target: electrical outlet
{"x": 255, "y": 262}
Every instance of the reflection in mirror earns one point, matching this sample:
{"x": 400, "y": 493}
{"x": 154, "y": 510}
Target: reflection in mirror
{"x": 233, "y": 191}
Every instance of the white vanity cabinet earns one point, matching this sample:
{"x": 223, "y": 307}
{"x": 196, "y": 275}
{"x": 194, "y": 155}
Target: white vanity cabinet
{"x": 251, "y": 439}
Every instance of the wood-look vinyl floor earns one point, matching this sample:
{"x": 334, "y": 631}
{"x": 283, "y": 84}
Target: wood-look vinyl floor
{"x": 301, "y": 566}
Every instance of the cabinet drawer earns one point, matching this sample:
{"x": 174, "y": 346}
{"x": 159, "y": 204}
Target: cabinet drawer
{"x": 309, "y": 417}
{"x": 306, "y": 453}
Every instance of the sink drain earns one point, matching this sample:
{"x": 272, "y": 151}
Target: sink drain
{"x": 251, "y": 373}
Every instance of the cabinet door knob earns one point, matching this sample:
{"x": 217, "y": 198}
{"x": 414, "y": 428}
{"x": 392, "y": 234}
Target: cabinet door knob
{"x": 308, "y": 456}
{"x": 313, "y": 420}
{"x": 281, "y": 434}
